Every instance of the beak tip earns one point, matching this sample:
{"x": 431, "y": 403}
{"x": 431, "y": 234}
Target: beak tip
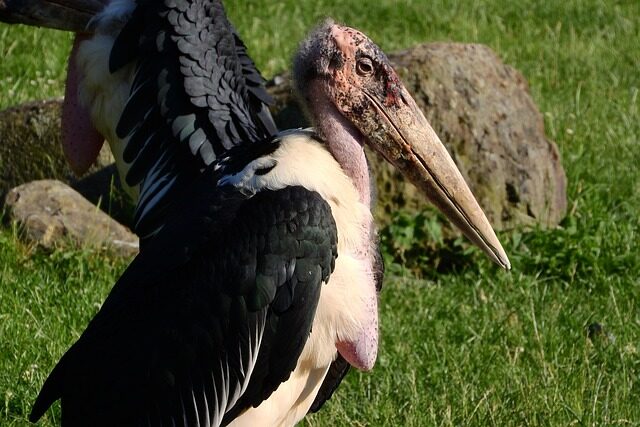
{"x": 502, "y": 259}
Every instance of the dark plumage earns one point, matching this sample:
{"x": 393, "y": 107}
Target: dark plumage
{"x": 195, "y": 95}
{"x": 228, "y": 271}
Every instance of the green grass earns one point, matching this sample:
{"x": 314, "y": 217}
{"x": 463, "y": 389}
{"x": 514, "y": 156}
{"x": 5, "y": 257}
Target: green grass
{"x": 472, "y": 346}
{"x": 45, "y": 305}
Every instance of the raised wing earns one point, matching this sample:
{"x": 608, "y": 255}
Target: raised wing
{"x": 196, "y": 94}
{"x": 208, "y": 321}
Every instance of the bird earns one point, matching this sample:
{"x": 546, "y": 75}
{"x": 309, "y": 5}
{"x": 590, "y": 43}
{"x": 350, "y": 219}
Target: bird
{"x": 264, "y": 271}
{"x": 197, "y": 96}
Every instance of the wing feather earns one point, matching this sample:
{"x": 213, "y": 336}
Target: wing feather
{"x": 190, "y": 334}
{"x": 195, "y": 87}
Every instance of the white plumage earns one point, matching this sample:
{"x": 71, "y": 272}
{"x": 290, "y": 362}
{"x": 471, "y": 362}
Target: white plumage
{"x": 344, "y": 306}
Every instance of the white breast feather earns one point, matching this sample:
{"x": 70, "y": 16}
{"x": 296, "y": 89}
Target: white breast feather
{"x": 303, "y": 161}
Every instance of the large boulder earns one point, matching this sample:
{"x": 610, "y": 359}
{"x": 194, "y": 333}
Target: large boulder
{"x": 52, "y": 214}
{"x": 484, "y": 114}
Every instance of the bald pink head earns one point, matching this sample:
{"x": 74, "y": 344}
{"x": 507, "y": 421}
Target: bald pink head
{"x": 349, "y": 66}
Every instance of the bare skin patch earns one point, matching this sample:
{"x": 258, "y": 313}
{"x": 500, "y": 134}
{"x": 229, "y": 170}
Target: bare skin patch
{"x": 81, "y": 142}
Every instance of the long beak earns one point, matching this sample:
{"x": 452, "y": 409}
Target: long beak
{"x": 408, "y": 142}
{"x": 68, "y": 15}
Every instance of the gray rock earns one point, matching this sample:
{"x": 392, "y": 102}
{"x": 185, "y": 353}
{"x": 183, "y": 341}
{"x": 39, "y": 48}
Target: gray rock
{"x": 484, "y": 114}
{"x": 52, "y": 214}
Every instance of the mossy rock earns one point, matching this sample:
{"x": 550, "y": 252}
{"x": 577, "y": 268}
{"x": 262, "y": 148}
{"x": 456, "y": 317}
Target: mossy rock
{"x": 30, "y": 147}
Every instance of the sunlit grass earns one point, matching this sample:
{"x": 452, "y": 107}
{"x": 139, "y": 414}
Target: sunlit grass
{"x": 32, "y": 63}
{"x": 472, "y": 346}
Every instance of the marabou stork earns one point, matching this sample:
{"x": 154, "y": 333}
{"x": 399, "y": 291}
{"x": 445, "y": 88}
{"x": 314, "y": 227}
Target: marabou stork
{"x": 264, "y": 269}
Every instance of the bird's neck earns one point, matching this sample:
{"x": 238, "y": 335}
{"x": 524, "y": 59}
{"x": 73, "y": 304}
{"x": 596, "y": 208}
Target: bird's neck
{"x": 345, "y": 143}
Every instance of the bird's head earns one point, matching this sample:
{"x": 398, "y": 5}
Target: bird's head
{"x": 347, "y": 67}
{"x": 341, "y": 67}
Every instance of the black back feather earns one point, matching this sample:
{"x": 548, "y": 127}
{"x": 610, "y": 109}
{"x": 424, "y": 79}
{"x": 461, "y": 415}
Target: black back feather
{"x": 195, "y": 88}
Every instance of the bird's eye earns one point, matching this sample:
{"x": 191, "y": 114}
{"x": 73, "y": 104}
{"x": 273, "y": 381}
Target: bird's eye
{"x": 364, "y": 66}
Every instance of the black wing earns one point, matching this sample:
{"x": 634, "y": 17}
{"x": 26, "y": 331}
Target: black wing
{"x": 196, "y": 94}
{"x": 208, "y": 321}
